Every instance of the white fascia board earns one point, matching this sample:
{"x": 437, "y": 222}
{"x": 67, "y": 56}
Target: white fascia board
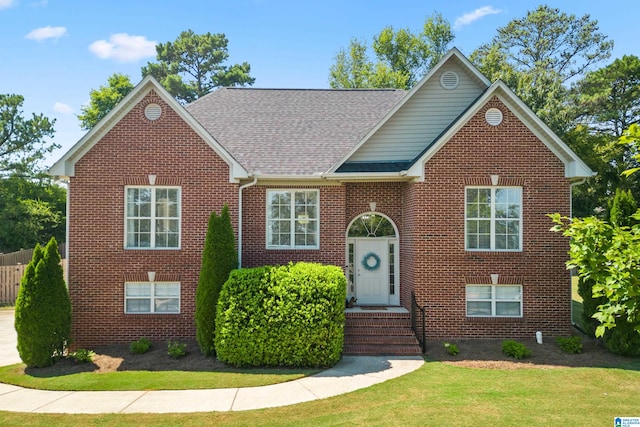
{"x": 575, "y": 168}
{"x": 65, "y": 167}
{"x": 368, "y": 176}
{"x": 454, "y": 52}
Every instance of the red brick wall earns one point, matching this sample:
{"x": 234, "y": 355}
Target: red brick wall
{"x": 429, "y": 215}
{"x": 332, "y": 228}
{"x": 438, "y": 267}
{"x": 98, "y": 264}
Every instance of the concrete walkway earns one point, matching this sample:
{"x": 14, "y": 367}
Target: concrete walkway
{"x": 350, "y": 374}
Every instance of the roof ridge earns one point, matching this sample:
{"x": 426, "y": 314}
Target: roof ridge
{"x": 317, "y": 89}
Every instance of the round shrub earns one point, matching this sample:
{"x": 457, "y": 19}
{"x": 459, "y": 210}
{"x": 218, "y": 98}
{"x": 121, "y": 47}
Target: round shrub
{"x": 290, "y": 315}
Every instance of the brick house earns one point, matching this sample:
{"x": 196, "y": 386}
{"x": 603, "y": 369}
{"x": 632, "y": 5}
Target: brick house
{"x": 439, "y": 194}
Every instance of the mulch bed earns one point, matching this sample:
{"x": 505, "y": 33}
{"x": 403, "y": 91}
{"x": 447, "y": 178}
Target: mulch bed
{"x": 487, "y": 353}
{"x": 474, "y": 353}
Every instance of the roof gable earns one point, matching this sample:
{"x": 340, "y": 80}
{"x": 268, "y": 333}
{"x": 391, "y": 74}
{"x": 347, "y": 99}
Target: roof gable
{"x": 65, "y": 166}
{"x": 575, "y": 168}
{"x": 429, "y": 108}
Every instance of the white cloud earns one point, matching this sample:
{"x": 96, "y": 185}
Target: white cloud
{"x": 6, "y": 4}
{"x": 61, "y": 108}
{"x": 47, "y": 32}
{"x": 470, "y": 17}
{"x": 124, "y": 48}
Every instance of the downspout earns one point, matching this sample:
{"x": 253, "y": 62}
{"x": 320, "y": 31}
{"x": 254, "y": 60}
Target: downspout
{"x": 66, "y": 235}
{"x": 242, "y": 187}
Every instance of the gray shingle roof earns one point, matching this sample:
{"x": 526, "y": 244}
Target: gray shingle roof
{"x": 291, "y": 131}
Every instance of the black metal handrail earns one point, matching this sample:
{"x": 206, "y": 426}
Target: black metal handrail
{"x": 418, "y": 315}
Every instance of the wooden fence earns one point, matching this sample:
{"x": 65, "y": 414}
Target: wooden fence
{"x": 12, "y": 268}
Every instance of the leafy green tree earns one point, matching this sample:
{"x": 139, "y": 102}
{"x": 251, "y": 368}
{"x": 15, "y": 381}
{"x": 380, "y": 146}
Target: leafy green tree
{"x": 538, "y": 54}
{"x": 192, "y": 66}
{"x": 608, "y": 258}
{"x": 22, "y": 141}
{"x": 104, "y": 99}
{"x": 219, "y": 258}
{"x": 622, "y": 208}
{"x": 32, "y": 210}
{"x": 608, "y": 99}
{"x": 402, "y": 57}
{"x": 43, "y": 309}
{"x": 550, "y": 40}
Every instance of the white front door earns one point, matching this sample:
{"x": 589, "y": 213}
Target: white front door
{"x": 372, "y": 271}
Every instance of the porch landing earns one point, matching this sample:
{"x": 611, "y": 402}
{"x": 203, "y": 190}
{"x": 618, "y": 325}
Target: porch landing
{"x": 379, "y": 331}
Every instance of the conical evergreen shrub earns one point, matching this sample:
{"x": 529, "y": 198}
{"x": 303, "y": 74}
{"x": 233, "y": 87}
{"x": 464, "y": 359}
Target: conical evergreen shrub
{"x": 219, "y": 258}
{"x": 43, "y": 309}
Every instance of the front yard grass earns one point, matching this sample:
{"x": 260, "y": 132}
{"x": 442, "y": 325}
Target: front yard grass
{"x": 436, "y": 394}
{"x": 147, "y": 380}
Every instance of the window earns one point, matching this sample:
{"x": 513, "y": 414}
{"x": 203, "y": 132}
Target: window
{"x": 151, "y": 297}
{"x": 493, "y": 218}
{"x": 152, "y": 217}
{"x": 292, "y": 219}
{"x": 494, "y": 301}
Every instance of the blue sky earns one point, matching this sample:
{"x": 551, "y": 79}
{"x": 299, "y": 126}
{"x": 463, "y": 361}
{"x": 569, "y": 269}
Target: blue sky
{"x": 55, "y": 51}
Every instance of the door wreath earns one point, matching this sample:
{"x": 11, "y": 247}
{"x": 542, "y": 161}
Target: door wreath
{"x": 366, "y": 261}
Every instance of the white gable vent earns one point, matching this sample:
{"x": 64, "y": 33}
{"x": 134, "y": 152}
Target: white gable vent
{"x": 449, "y": 80}
{"x": 152, "y": 112}
{"x": 493, "y": 116}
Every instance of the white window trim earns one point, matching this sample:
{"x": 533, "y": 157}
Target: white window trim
{"x": 493, "y": 301}
{"x": 152, "y": 297}
{"x": 292, "y": 220}
{"x": 153, "y": 217}
{"x": 493, "y": 219}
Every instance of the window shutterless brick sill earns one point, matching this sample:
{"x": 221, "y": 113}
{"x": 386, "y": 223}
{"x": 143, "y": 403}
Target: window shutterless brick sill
{"x": 481, "y": 255}
{"x": 494, "y": 320}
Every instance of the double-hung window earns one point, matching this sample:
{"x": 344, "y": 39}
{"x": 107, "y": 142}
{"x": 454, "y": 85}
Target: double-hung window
{"x": 293, "y": 219}
{"x": 152, "y": 218}
{"x": 493, "y": 218}
{"x": 494, "y": 300}
{"x": 151, "y": 297}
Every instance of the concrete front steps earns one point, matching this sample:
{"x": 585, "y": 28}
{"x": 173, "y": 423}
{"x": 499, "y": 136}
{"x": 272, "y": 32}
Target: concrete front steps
{"x": 384, "y": 331}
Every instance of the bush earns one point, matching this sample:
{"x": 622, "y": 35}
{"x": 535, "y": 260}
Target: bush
{"x": 589, "y": 305}
{"x": 452, "y": 349}
{"x": 219, "y": 257}
{"x": 82, "y": 355}
{"x": 140, "y": 346}
{"x": 43, "y": 309}
{"x": 282, "y": 316}
{"x": 623, "y": 339}
{"x": 571, "y": 345}
{"x": 176, "y": 349}
{"x": 515, "y": 349}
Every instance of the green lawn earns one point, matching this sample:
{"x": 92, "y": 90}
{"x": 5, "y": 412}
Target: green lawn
{"x": 435, "y": 395}
{"x": 146, "y": 380}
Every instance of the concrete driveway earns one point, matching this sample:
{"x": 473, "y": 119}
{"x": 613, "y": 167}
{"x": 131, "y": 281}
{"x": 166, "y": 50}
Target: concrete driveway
{"x": 8, "y": 339}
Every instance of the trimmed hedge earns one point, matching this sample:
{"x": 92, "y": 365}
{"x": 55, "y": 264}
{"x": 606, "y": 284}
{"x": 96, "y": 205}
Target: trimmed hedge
{"x": 289, "y": 315}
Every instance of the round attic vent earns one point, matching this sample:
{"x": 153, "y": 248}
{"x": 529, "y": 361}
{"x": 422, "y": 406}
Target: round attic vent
{"x": 449, "y": 80}
{"x": 152, "y": 112}
{"x": 493, "y": 116}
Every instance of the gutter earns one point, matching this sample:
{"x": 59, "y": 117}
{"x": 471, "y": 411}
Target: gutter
{"x": 242, "y": 187}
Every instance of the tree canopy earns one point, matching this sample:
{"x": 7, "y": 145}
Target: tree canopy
{"x": 193, "y": 65}
{"x": 538, "y": 54}
{"x": 23, "y": 141}
{"x": 402, "y": 57}
{"x": 104, "y": 99}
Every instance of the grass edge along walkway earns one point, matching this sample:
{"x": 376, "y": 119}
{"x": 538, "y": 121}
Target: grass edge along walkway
{"x": 436, "y": 394}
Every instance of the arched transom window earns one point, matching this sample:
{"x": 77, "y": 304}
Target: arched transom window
{"x": 371, "y": 225}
